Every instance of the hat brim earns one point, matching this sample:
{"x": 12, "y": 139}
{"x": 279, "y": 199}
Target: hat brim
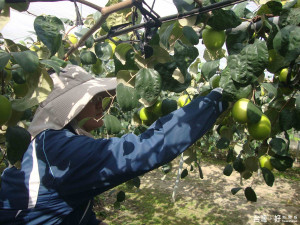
{"x": 58, "y": 112}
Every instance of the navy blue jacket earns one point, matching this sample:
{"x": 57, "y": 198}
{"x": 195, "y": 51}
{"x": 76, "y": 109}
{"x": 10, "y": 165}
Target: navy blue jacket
{"x": 61, "y": 172}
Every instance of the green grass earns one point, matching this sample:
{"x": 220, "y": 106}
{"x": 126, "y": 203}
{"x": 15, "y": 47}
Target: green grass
{"x": 290, "y": 174}
{"x": 149, "y": 206}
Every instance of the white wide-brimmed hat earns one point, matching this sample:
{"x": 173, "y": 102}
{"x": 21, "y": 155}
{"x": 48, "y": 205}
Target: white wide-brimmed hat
{"x": 73, "y": 89}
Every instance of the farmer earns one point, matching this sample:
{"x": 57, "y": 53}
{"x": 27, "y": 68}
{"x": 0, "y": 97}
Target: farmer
{"x": 64, "y": 168}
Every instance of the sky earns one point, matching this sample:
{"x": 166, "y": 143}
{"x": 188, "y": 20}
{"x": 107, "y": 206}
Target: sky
{"x": 20, "y": 25}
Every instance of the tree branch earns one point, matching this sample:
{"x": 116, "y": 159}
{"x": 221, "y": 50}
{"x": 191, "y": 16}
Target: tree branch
{"x": 105, "y": 12}
{"x": 90, "y": 4}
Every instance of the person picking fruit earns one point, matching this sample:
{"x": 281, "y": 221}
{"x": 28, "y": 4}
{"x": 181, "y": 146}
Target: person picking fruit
{"x": 64, "y": 167}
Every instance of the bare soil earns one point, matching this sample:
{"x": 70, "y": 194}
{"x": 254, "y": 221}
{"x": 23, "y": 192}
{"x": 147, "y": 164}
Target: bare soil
{"x": 208, "y": 200}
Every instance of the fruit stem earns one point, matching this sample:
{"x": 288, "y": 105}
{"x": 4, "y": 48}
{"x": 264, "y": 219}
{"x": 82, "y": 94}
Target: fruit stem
{"x": 241, "y": 179}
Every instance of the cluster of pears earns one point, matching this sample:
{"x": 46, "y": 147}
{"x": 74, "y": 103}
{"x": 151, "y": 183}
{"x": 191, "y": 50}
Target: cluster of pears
{"x": 259, "y": 130}
{"x": 162, "y": 107}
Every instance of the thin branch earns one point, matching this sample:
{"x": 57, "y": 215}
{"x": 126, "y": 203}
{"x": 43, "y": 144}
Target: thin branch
{"x": 105, "y": 12}
{"x": 90, "y": 4}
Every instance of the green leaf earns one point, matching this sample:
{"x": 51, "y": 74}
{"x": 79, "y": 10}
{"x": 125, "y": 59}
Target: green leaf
{"x": 52, "y": 64}
{"x": 88, "y": 57}
{"x": 13, "y": 47}
{"x": 190, "y": 35}
{"x": 28, "y": 60}
{"x": 239, "y": 165}
{"x": 251, "y": 163}
{"x": 184, "y": 55}
{"x": 168, "y": 106}
{"x": 236, "y": 40}
{"x": 235, "y": 190}
{"x": 172, "y": 78}
{"x": 121, "y": 196}
{"x": 289, "y": 17}
{"x": 233, "y": 91}
{"x": 169, "y": 33}
{"x": 159, "y": 55}
{"x": 287, "y": 118}
{"x": 60, "y": 62}
{"x": 250, "y": 194}
{"x": 126, "y": 97}
{"x": 223, "y": 19}
{"x": 18, "y": 74}
{"x": 166, "y": 72}
{"x": 82, "y": 122}
{"x": 184, "y": 5}
{"x": 148, "y": 85}
{"x": 40, "y": 85}
{"x": 281, "y": 163}
{"x": 17, "y": 142}
{"x": 121, "y": 51}
{"x": 287, "y": 42}
{"x": 228, "y": 170}
{"x": 253, "y": 113}
{"x": 106, "y": 101}
{"x": 270, "y": 87}
{"x": 223, "y": 143}
{"x": 189, "y": 156}
{"x": 166, "y": 168}
{"x": 90, "y": 41}
{"x": 276, "y": 61}
{"x": 97, "y": 68}
{"x": 279, "y": 146}
{"x": 290, "y": 4}
{"x": 268, "y": 176}
{"x": 49, "y": 30}
{"x": 135, "y": 182}
{"x": 200, "y": 171}
{"x": 104, "y": 51}
{"x": 4, "y": 58}
{"x": 117, "y": 18}
{"x": 194, "y": 69}
{"x": 210, "y": 68}
{"x": 124, "y": 58}
{"x": 21, "y": 7}
{"x": 271, "y": 7}
{"x": 184, "y": 173}
{"x": 112, "y": 124}
{"x": 230, "y": 156}
{"x": 246, "y": 174}
{"x": 249, "y": 64}
{"x": 242, "y": 11}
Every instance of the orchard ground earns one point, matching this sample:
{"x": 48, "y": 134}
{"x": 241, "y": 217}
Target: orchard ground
{"x": 205, "y": 201}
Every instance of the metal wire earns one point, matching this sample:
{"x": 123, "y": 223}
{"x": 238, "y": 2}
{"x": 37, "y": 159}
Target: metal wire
{"x": 194, "y": 12}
